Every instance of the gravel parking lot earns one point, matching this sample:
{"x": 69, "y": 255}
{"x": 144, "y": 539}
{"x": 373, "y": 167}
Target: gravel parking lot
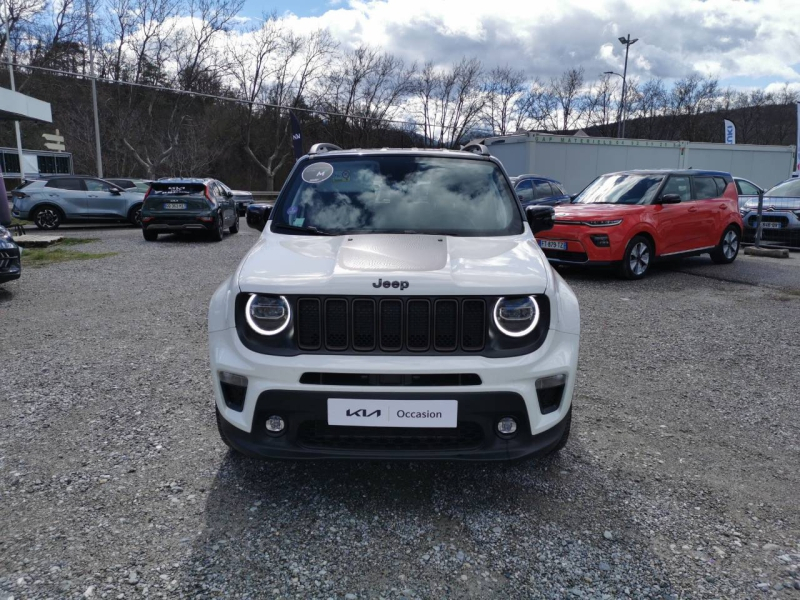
{"x": 681, "y": 479}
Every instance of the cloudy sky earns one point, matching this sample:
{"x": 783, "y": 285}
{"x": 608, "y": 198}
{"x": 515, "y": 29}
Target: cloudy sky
{"x": 745, "y": 43}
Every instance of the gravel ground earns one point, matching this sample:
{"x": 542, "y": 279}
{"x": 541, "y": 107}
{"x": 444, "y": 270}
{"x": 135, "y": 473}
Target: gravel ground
{"x": 680, "y": 480}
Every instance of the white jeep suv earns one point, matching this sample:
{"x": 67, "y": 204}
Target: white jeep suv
{"x": 395, "y": 306}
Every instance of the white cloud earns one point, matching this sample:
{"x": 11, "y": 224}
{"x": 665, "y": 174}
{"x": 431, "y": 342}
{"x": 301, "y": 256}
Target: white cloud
{"x": 726, "y": 38}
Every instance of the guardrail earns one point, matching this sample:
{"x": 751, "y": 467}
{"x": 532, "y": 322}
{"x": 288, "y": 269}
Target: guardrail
{"x": 268, "y": 197}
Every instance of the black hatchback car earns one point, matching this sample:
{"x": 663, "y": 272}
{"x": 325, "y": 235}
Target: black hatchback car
{"x": 10, "y": 257}
{"x": 175, "y": 205}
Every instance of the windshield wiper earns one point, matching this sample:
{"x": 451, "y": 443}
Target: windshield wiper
{"x": 310, "y": 229}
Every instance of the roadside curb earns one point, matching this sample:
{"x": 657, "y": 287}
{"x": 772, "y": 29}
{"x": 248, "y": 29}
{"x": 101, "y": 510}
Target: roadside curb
{"x": 768, "y": 252}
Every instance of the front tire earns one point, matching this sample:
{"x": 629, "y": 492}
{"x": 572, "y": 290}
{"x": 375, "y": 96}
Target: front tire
{"x": 728, "y": 248}
{"x": 47, "y": 218}
{"x": 150, "y": 236}
{"x": 219, "y": 227}
{"x": 235, "y": 227}
{"x": 135, "y": 215}
{"x": 637, "y": 258}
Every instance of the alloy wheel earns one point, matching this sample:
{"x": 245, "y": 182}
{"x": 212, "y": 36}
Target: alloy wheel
{"x": 47, "y": 218}
{"x": 639, "y": 258}
{"x": 730, "y": 244}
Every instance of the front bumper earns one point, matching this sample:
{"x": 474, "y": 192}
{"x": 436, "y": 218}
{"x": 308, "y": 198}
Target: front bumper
{"x": 10, "y": 264}
{"x": 507, "y": 388}
{"x": 581, "y": 246}
{"x": 788, "y": 232}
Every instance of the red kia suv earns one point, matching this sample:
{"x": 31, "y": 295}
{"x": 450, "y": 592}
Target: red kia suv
{"x": 631, "y": 218}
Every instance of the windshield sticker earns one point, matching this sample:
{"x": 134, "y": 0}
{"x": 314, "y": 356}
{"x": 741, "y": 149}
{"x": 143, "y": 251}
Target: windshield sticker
{"x": 292, "y": 210}
{"x": 298, "y": 222}
{"x": 317, "y": 173}
{"x": 341, "y": 176}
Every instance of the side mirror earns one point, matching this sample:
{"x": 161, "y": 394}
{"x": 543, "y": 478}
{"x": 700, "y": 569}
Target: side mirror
{"x": 116, "y": 191}
{"x": 572, "y": 197}
{"x": 258, "y": 215}
{"x": 540, "y": 217}
{"x": 670, "y": 199}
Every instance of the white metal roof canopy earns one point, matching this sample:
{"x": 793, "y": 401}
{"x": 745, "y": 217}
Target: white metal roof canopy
{"x": 19, "y": 107}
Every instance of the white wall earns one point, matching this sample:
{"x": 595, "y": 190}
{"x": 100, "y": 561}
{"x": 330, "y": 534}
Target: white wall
{"x": 763, "y": 165}
{"x": 576, "y": 161}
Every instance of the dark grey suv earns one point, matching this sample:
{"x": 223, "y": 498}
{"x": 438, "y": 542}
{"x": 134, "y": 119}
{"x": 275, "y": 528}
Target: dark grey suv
{"x": 56, "y": 200}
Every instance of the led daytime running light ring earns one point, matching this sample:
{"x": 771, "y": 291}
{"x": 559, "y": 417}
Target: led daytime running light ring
{"x": 524, "y": 332}
{"x": 258, "y": 329}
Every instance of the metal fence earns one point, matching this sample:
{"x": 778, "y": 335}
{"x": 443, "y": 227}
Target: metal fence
{"x": 773, "y": 221}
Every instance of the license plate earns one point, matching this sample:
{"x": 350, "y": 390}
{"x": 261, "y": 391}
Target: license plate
{"x": 551, "y": 245}
{"x": 392, "y": 413}
{"x": 175, "y": 205}
{"x": 770, "y": 225}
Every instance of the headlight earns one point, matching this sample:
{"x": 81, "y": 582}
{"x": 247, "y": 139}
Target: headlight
{"x": 267, "y": 315}
{"x": 603, "y": 223}
{"x": 5, "y": 234}
{"x": 516, "y": 317}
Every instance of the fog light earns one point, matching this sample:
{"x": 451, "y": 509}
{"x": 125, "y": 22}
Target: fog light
{"x": 601, "y": 241}
{"x": 275, "y": 424}
{"x": 506, "y": 426}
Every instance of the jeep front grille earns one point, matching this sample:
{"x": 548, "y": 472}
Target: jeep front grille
{"x": 366, "y": 324}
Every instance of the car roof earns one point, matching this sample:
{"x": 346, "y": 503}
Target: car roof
{"x": 398, "y": 151}
{"x": 183, "y": 180}
{"x": 46, "y": 176}
{"x": 673, "y": 172}
{"x": 542, "y": 177}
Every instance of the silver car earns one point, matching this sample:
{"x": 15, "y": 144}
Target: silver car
{"x": 63, "y": 199}
{"x": 780, "y": 220}
{"x": 746, "y": 189}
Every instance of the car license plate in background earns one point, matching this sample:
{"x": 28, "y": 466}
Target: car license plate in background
{"x": 770, "y": 225}
{"x": 392, "y": 413}
{"x": 175, "y": 206}
{"x": 551, "y": 245}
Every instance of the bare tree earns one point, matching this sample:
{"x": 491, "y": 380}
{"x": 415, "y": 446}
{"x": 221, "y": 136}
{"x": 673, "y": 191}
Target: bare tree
{"x": 451, "y": 101}
{"x": 163, "y": 140}
{"x": 366, "y": 87}
{"x": 22, "y": 15}
{"x": 564, "y": 96}
{"x": 689, "y": 97}
{"x": 198, "y": 62}
{"x": 504, "y": 109}
{"x": 282, "y": 66}
{"x": 600, "y": 100}
{"x": 155, "y": 36}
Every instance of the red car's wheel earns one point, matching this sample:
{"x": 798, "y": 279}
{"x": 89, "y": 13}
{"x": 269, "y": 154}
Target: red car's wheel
{"x": 637, "y": 258}
{"x": 728, "y": 247}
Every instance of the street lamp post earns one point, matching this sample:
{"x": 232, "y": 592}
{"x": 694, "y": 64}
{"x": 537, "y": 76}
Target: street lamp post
{"x": 627, "y": 42}
{"x": 619, "y": 112}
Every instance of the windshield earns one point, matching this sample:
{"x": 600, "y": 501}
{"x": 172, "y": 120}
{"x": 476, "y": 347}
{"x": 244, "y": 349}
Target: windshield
{"x": 399, "y": 194}
{"x": 787, "y": 189}
{"x": 620, "y": 189}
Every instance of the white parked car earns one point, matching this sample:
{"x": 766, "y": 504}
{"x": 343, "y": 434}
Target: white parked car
{"x": 395, "y": 306}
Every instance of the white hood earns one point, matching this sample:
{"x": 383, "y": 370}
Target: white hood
{"x": 431, "y": 264}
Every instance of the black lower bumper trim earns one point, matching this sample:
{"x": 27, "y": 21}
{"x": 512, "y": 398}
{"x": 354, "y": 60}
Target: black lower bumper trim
{"x": 308, "y": 436}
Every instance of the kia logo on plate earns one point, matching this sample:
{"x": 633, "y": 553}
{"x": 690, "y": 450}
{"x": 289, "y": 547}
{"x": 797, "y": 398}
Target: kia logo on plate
{"x": 390, "y": 284}
{"x": 362, "y": 412}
